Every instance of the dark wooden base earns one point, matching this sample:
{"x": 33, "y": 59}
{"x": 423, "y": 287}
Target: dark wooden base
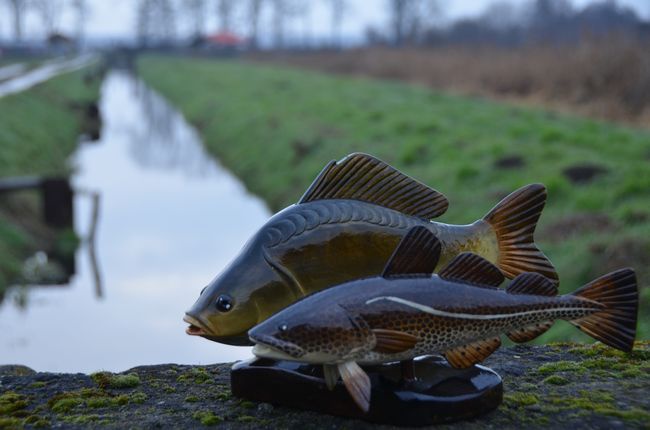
{"x": 439, "y": 393}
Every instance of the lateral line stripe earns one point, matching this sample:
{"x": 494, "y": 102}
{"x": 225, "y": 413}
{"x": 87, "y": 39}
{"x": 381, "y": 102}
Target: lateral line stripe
{"x": 437, "y": 312}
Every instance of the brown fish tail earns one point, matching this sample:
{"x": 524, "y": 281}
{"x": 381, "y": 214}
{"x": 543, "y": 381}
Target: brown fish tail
{"x": 514, "y": 220}
{"x": 615, "y": 325}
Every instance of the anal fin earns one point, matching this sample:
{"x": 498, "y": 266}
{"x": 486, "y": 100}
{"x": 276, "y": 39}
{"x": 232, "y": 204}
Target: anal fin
{"x": 467, "y": 355}
{"x": 357, "y": 383}
{"x": 526, "y": 334}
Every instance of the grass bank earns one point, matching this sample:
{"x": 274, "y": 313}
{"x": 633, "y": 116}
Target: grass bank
{"x": 39, "y": 129}
{"x": 275, "y": 128}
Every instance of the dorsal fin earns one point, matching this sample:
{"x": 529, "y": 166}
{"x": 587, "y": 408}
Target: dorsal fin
{"x": 416, "y": 255}
{"x": 467, "y": 355}
{"x": 532, "y": 283}
{"x": 366, "y": 178}
{"x": 472, "y": 269}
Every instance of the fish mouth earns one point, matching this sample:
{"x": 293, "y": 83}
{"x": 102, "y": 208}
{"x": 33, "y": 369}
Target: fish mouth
{"x": 196, "y": 327}
{"x": 271, "y": 347}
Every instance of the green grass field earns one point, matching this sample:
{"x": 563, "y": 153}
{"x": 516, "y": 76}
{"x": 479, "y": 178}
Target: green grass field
{"x": 275, "y": 128}
{"x": 39, "y": 129}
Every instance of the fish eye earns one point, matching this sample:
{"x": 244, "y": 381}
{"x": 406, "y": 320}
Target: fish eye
{"x": 224, "y": 303}
{"x": 283, "y": 327}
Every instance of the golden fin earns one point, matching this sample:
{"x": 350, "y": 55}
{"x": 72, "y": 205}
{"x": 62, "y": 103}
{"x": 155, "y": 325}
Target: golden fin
{"x": 357, "y": 383}
{"x": 366, "y": 178}
{"x": 615, "y": 323}
{"x": 529, "y": 333}
{"x": 472, "y": 353}
{"x": 472, "y": 269}
{"x": 416, "y": 254}
{"x": 514, "y": 220}
{"x": 331, "y": 375}
{"x": 532, "y": 283}
{"x": 393, "y": 341}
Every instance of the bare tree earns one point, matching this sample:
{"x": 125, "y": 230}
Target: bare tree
{"x": 338, "y": 10}
{"x": 155, "y": 19}
{"x": 409, "y": 17}
{"x": 196, "y": 12}
{"x": 81, "y": 10}
{"x": 282, "y": 10}
{"x": 254, "y": 12}
{"x": 225, "y": 9}
{"x": 17, "y": 8}
{"x": 50, "y": 13}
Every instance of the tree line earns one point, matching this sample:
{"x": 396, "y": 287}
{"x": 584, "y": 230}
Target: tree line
{"x": 407, "y": 22}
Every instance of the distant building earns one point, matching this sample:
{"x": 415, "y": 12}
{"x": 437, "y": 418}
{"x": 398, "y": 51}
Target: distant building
{"x": 59, "y": 43}
{"x": 223, "y": 42}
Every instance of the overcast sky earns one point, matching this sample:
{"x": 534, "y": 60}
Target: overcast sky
{"x": 116, "y": 18}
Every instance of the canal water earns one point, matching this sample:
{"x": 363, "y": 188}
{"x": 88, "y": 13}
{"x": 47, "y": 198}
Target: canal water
{"x": 170, "y": 218}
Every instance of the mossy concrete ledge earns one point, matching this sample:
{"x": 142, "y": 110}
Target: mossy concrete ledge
{"x": 557, "y": 385}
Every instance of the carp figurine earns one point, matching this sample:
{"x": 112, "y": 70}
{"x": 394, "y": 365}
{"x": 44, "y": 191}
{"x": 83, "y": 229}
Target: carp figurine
{"x": 460, "y": 313}
{"x": 345, "y": 227}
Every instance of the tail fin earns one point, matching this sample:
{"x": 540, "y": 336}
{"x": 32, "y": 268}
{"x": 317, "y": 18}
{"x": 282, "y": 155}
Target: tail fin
{"x": 615, "y": 325}
{"x": 514, "y": 220}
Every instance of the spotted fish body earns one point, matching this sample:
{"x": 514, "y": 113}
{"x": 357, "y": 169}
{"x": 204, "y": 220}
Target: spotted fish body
{"x": 459, "y": 313}
{"x": 345, "y": 227}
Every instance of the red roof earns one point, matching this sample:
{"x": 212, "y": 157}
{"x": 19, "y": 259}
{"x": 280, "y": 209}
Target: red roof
{"x": 225, "y": 38}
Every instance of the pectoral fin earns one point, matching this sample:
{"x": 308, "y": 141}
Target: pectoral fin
{"x": 357, "y": 383}
{"x": 331, "y": 375}
{"x": 393, "y": 341}
{"x": 366, "y": 178}
{"x": 472, "y": 269}
{"x": 472, "y": 353}
{"x": 416, "y": 255}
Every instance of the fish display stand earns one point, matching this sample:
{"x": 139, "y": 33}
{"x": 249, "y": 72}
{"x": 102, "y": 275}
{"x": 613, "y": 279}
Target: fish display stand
{"x": 439, "y": 394}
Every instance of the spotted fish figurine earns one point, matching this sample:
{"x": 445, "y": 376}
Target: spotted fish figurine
{"x": 460, "y": 313}
{"x": 345, "y": 227}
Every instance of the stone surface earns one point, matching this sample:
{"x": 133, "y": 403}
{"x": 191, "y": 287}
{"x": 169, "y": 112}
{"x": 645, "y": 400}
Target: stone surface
{"x": 558, "y": 385}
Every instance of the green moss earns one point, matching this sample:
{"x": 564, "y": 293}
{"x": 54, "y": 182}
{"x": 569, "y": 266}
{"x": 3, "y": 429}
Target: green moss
{"x": 37, "y": 384}
{"x": 247, "y": 404}
{"x": 246, "y": 419}
{"x": 138, "y": 397}
{"x": 109, "y": 380}
{"x": 225, "y": 395}
{"x": 121, "y": 400}
{"x": 560, "y": 366}
{"x": 556, "y": 380}
{"x": 207, "y": 418}
{"x": 197, "y": 375}
{"x": 66, "y": 404}
{"x": 520, "y": 399}
{"x": 10, "y": 402}
{"x": 36, "y": 421}
{"x": 191, "y": 399}
{"x": 99, "y": 402}
{"x": 81, "y": 419}
{"x": 10, "y": 423}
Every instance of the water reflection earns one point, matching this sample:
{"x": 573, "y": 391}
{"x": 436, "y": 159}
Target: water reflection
{"x": 170, "y": 219}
